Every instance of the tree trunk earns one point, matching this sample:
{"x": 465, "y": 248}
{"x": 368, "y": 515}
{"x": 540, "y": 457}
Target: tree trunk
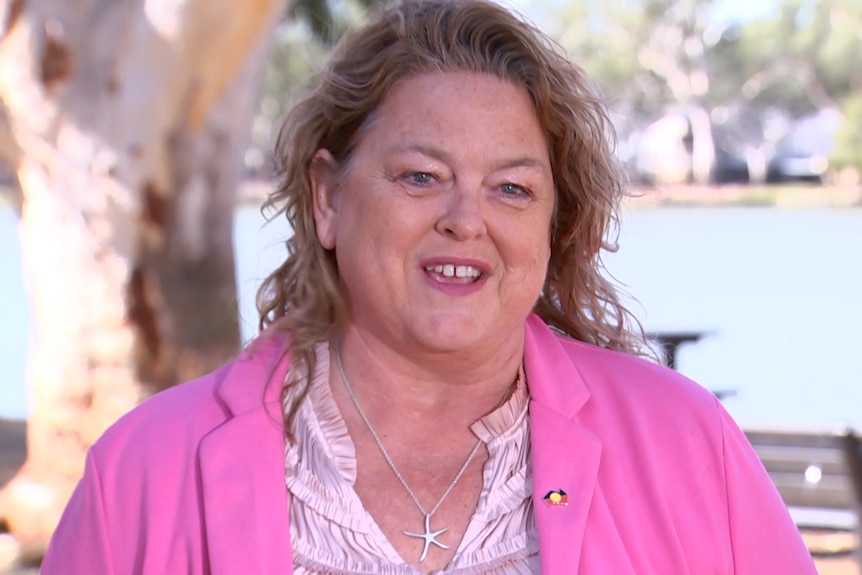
{"x": 125, "y": 122}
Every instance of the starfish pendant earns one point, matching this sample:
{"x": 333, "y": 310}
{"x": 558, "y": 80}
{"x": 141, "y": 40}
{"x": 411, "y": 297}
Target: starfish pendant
{"x": 429, "y": 537}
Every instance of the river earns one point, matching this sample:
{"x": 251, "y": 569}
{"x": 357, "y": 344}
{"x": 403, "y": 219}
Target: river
{"x": 779, "y": 290}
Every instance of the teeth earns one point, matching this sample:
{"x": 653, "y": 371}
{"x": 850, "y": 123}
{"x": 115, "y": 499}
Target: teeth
{"x": 453, "y": 271}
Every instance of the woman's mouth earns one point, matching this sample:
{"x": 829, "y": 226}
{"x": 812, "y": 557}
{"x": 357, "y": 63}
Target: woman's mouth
{"x": 452, "y": 271}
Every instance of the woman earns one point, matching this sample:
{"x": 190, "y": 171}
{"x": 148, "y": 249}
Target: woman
{"x": 445, "y": 381}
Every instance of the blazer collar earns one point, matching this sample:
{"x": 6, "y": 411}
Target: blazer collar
{"x": 242, "y": 461}
{"x": 565, "y": 454}
{"x": 257, "y": 375}
{"x": 242, "y": 467}
{"x": 554, "y": 380}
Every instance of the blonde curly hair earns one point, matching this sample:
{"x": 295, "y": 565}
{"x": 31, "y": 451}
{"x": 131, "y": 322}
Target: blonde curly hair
{"x": 303, "y": 297}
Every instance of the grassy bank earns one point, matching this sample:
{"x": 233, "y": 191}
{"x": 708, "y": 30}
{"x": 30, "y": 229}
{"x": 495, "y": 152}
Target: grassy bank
{"x": 254, "y": 192}
{"x": 789, "y": 196}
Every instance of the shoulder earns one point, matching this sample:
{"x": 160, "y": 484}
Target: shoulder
{"x": 172, "y": 422}
{"x": 669, "y": 449}
{"x": 646, "y": 399}
{"x": 624, "y": 400}
{"x": 648, "y": 416}
{"x": 187, "y": 410}
{"x": 607, "y": 381}
{"x": 612, "y": 374}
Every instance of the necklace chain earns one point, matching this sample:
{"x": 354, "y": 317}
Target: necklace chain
{"x": 387, "y": 457}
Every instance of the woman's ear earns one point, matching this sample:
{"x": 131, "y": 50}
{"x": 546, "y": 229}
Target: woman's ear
{"x": 324, "y": 176}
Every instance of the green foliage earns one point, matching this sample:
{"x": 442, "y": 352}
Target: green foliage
{"x": 649, "y": 54}
{"x": 324, "y": 17}
{"x": 848, "y": 144}
{"x": 301, "y": 44}
{"x": 805, "y": 57}
{"x": 752, "y": 76}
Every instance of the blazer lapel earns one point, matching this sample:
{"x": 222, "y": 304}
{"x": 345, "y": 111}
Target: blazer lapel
{"x": 242, "y": 469}
{"x": 244, "y": 497}
{"x": 565, "y": 459}
{"x": 242, "y": 461}
{"x": 565, "y": 455}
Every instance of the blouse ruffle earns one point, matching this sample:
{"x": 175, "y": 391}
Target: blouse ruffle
{"x": 331, "y": 532}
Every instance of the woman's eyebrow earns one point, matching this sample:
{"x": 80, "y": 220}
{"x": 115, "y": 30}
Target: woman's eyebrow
{"x": 526, "y": 161}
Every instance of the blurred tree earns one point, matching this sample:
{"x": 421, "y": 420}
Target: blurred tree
{"x": 653, "y": 55}
{"x": 847, "y": 154}
{"x": 646, "y": 55}
{"x": 801, "y": 60}
{"x": 649, "y": 56}
{"x": 126, "y": 127}
{"x": 804, "y": 55}
{"x": 124, "y": 124}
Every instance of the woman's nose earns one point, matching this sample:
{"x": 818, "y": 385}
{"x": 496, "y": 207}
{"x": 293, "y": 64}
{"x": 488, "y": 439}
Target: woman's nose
{"x": 463, "y": 218}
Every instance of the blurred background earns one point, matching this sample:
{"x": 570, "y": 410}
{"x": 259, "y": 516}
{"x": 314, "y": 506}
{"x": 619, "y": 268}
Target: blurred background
{"x": 759, "y": 245}
{"x": 739, "y": 123}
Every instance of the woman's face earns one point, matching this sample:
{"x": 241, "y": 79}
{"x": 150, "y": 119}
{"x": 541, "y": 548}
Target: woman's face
{"x": 440, "y": 220}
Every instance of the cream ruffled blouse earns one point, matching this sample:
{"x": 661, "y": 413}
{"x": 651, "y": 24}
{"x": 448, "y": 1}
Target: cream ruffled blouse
{"x": 330, "y": 531}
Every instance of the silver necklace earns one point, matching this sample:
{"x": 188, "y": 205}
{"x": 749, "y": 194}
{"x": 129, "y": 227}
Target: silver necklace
{"x": 429, "y": 537}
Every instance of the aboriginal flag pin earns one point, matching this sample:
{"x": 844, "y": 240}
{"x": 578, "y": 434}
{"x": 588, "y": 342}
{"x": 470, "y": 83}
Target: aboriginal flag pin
{"x": 558, "y": 497}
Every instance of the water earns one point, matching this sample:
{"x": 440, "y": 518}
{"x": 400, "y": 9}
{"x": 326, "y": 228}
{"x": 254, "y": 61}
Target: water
{"x": 779, "y": 290}
{"x": 14, "y": 319}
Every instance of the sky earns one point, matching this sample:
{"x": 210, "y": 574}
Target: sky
{"x": 743, "y": 9}
{"x": 725, "y": 10}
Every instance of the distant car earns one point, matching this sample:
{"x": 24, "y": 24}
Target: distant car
{"x": 797, "y": 166}
{"x": 803, "y": 154}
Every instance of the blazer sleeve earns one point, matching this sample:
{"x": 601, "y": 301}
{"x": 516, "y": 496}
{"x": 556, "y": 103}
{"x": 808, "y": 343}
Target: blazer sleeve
{"x": 80, "y": 545}
{"x": 764, "y": 538}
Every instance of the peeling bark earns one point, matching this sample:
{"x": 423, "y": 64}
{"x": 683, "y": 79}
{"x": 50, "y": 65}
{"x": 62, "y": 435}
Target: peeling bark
{"x": 55, "y": 64}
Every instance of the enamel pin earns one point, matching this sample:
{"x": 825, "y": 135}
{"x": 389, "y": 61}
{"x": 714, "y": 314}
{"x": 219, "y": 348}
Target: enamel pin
{"x": 558, "y": 497}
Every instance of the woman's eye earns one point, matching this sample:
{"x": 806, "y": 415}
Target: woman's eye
{"x": 419, "y": 178}
{"x": 514, "y": 190}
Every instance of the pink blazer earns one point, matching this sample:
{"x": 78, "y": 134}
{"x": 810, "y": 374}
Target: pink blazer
{"x": 659, "y": 478}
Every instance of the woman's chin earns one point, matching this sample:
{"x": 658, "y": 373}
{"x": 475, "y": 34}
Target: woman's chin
{"x": 455, "y": 335}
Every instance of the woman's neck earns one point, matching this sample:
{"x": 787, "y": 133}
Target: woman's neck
{"x": 462, "y": 384}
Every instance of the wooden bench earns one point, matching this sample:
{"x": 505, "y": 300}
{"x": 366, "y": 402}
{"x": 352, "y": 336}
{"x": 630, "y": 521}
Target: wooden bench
{"x": 818, "y": 474}
{"x": 668, "y": 343}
